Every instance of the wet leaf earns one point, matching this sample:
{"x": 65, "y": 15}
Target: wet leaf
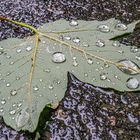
{"x": 32, "y": 76}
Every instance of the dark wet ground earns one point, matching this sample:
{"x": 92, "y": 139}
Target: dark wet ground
{"x": 93, "y": 113}
{"x": 37, "y": 12}
{"x": 86, "y": 112}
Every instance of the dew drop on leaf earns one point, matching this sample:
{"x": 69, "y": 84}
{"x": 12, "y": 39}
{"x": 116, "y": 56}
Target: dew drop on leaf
{"x": 103, "y": 28}
{"x": 100, "y": 43}
{"x": 89, "y": 61}
{"x": 18, "y": 50}
{"x": 116, "y": 44}
{"x": 132, "y": 83}
{"x": 28, "y": 48}
{"x": 73, "y": 23}
{"x": 121, "y": 27}
{"x": 51, "y": 87}
{"x": 58, "y": 57}
{"x": 8, "y": 84}
{"x": 36, "y": 88}
{"x": 128, "y": 67}
{"x": 76, "y": 40}
{"x": 13, "y": 92}
{"x": 12, "y": 112}
{"x": 22, "y": 118}
{"x": 3, "y": 101}
{"x": 134, "y": 49}
{"x": 103, "y": 76}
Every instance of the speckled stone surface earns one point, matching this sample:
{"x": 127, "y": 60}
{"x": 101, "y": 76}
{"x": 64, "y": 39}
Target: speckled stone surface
{"x": 93, "y": 113}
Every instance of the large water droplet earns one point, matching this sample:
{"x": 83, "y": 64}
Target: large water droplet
{"x": 22, "y": 118}
{"x": 76, "y": 40}
{"x": 132, "y": 83}
{"x": 116, "y": 44}
{"x": 121, "y": 27}
{"x": 73, "y": 23}
{"x": 13, "y": 92}
{"x": 128, "y": 67}
{"x": 100, "y": 43}
{"x": 103, "y": 28}
{"x": 58, "y": 57}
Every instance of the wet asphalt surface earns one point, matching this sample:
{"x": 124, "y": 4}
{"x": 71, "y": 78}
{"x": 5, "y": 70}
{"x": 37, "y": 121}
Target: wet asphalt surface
{"x": 86, "y": 112}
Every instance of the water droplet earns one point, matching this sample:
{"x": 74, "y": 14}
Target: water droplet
{"x": 8, "y": 56}
{"x": 117, "y": 77}
{"x": 90, "y": 61}
{"x": 36, "y": 88}
{"x": 121, "y": 27}
{"x": 1, "y": 50}
{"x": 13, "y": 92}
{"x": 103, "y": 28}
{"x": 3, "y": 101}
{"x": 1, "y": 110}
{"x": 17, "y": 78}
{"x": 138, "y": 57}
{"x": 116, "y": 44}
{"x": 58, "y": 57}
{"x": 22, "y": 118}
{"x": 128, "y": 67}
{"x": 43, "y": 41}
{"x": 47, "y": 70}
{"x": 132, "y": 83}
{"x": 73, "y": 23}
{"x": 85, "y": 74}
{"x": 8, "y": 84}
{"x": 18, "y": 50}
{"x": 11, "y": 63}
{"x": 100, "y": 43}
{"x": 84, "y": 44}
{"x": 103, "y": 76}
{"x": 67, "y": 37}
{"x": 28, "y": 48}
{"x": 51, "y": 87}
{"x": 12, "y": 112}
{"x": 76, "y": 40}
{"x": 134, "y": 49}
{"x": 74, "y": 63}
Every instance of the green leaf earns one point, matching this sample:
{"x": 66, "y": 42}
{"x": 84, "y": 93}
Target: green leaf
{"x": 84, "y": 50}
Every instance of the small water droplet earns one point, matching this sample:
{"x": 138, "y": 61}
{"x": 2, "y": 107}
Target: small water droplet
{"x": 12, "y": 112}
{"x": 121, "y": 27}
{"x": 41, "y": 80}
{"x": 8, "y": 56}
{"x": 47, "y": 70}
{"x": 103, "y": 76}
{"x": 103, "y": 28}
{"x": 116, "y": 44}
{"x": 75, "y": 63}
{"x": 13, "y": 92}
{"x": 18, "y": 50}
{"x": 43, "y": 41}
{"x": 28, "y": 48}
{"x": 1, "y": 50}
{"x": 36, "y": 88}
{"x": 58, "y": 57}
{"x": 67, "y": 37}
{"x": 8, "y": 85}
{"x": 51, "y": 87}
{"x": 22, "y": 118}
{"x": 132, "y": 83}
{"x": 3, "y": 101}
{"x": 117, "y": 77}
{"x": 128, "y": 67}
{"x": 84, "y": 44}
{"x": 90, "y": 61}
{"x": 20, "y": 104}
{"x": 85, "y": 74}
{"x": 134, "y": 49}
{"x": 138, "y": 57}
{"x": 76, "y": 40}
{"x": 11, "y": 63}
{"x": 17, "y": 78}
{"x": 73, "y": 23}
{"x": 100, "y": 43}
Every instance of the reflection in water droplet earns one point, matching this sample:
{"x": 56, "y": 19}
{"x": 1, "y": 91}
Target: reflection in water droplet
{"x": 12, "y": 112}
{"x": 28, "y": 48}
{"x": 128, "y": 67}
{"x": 121, "y": 27}
{"x": 103, "y": 28}
{"x": 13, "y": 92}
{"x": 90, "y": 61}
{"x": 3, "y": 101}
{"x": 73, "y": 23}
{"x": 58, "y": 57}
{"x": 103, "y": 76}
{"x": 18, "y": 50}
{"x": 100, "y": 43}
{"x": 116, "y": 44}
{"x": 8, "y": 84}
{"x": 76, "y": 40}
{"x": 36, "y": 88}
{"x": 132, "y": 83}
{"x": 22, "y": 118}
